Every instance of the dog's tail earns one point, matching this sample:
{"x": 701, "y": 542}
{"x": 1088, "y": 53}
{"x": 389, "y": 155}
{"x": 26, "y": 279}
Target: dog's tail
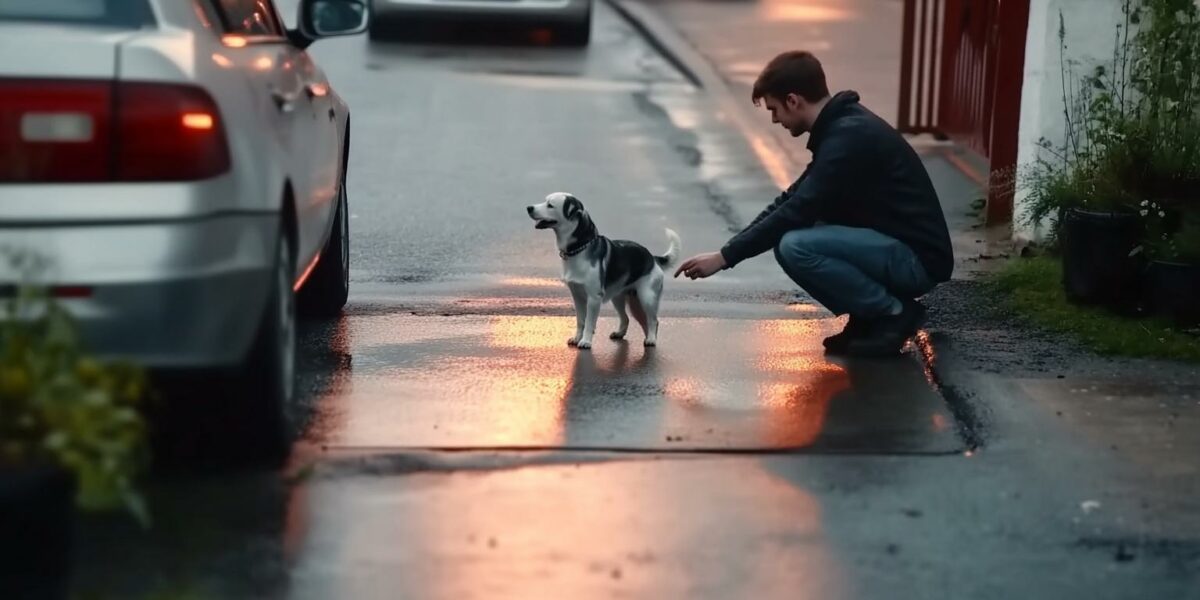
{"x": 673, "y": 249}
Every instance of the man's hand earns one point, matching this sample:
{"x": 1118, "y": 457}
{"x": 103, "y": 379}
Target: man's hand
{"x": 701, "y": 265}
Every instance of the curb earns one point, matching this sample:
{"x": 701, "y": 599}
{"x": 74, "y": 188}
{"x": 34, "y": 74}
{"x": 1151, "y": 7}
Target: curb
{"x": 654, "y": 31}
{"x": 696, "y": 68}
{"x": 962, "y": 403}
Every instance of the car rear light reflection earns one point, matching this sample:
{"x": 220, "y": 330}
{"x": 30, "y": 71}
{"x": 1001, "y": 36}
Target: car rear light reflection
{"x": 312, "y": 265}
{"x": 95, "y": 130}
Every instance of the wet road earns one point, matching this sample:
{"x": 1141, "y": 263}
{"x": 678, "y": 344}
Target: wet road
{"x": 452, "y": 445}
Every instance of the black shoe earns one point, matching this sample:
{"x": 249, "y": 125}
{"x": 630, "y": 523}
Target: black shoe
{"x": 856, "y": 327}
{"x": 888, "y": 334}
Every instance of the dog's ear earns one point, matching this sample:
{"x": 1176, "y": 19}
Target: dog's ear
{"x": 572, "y": 208}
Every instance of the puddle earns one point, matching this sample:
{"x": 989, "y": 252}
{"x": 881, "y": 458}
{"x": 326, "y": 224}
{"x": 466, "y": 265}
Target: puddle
{"x": 510, "y": 382}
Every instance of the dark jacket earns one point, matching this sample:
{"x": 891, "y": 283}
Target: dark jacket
{"x": 863, "y": 174}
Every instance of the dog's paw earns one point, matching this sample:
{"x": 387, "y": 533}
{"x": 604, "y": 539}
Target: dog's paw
{"x": 584, "y": 345}
{"x": 573, "y": 342}
{"x": 616, "y": 335}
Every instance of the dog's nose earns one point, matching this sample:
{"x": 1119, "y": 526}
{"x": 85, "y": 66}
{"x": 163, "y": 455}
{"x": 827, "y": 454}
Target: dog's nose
{"x": 529, "y": 209}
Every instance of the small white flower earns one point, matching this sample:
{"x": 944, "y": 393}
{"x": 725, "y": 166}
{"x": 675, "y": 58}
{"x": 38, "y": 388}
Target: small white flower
{"x": 1162, "y": 214}
{"x": 1145, "y": 202}
{"x": 1144, "y": 212}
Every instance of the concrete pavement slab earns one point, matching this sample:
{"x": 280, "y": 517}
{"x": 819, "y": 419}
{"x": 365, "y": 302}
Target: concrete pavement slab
{"x": 755, "y": 382}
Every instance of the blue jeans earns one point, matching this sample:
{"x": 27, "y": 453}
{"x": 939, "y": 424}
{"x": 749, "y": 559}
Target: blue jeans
{"x": 851, "y": 270}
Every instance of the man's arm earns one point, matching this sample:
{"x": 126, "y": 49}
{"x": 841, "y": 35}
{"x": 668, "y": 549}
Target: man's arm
{"x": 704, "y": 265}
{"x": 799, "y": 207}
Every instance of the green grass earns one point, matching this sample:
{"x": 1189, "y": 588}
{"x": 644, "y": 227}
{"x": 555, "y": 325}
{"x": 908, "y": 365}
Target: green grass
{"x": 1032, "y": 288}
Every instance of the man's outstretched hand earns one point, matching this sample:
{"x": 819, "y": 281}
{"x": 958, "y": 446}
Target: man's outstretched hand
{"x": 701, "y": 265}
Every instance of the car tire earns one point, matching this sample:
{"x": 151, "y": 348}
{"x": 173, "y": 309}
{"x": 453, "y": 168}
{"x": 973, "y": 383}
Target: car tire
{"x": 374, "y": 22}
{"x": 325, "y": 293}
{"x": 266, "y": 382}
{"x": 394, "y": 28}
{"x": 578, "y": 33}
{"x": 377, "y": 30}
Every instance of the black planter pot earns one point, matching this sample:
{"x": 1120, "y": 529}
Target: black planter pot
{"x": 37, "y": 522}
{"x": 1096, "y": 261}
{"x": 1173, "y": 291}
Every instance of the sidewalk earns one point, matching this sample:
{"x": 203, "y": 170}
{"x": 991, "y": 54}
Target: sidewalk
{"x": 858, "y": 42}
{"x": 1126, "y": 431}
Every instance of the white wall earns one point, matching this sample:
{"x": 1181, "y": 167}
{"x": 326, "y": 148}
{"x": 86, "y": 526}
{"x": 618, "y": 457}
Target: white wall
{"x": 1091, "y": 30}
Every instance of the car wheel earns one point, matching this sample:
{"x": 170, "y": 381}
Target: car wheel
{"x": 326, "y": 291}
{"x": 266, "y": 382}
{"x": 374, "y": 22}
{"x": 376, "y": 30}
{"x": 396, "y": 29}
{"x": 577, "y": 33}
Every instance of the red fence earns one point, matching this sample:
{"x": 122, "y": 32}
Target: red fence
{"x": 961, "y": 70}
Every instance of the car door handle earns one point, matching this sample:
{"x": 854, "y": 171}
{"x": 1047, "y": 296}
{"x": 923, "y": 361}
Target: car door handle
{"x": 284, "y": 101}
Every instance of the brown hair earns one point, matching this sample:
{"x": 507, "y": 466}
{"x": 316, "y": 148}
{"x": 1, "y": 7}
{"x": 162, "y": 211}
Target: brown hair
{"x": 796, "y": 72}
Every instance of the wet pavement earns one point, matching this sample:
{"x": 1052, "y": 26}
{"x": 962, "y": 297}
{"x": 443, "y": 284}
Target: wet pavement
{"x": 509, "y": 381}
{"x": 451, "y": 445}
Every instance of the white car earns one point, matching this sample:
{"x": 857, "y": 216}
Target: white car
{"x": 182, "y": 165}
{"x": 571, "y": 20}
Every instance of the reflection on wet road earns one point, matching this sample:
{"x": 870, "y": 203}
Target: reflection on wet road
{"x": 510, "y": 381}
{"x": 726, "y": 529}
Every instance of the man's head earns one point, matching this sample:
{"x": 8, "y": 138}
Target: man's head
{"x": 792, "y": 87}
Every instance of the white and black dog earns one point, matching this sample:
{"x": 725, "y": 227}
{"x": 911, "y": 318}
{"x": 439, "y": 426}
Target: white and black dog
{"x": 597, "y": 269}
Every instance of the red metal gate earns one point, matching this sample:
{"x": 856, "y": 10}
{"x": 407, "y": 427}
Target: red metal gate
{"x": 961, "y": 71}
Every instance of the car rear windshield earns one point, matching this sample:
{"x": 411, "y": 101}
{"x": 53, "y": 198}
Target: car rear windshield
{"x": 108, "y": 13}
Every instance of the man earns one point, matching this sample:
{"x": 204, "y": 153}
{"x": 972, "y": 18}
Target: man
{"x": 861, "y": 230}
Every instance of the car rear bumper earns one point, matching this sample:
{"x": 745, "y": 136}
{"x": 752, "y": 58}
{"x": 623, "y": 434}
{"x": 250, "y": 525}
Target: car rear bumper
{"x": 506, "y": 10}
{"x": 166, "y": 294}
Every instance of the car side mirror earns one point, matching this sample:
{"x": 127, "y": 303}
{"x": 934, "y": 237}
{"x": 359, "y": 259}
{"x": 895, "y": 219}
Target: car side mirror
{"x": 329, "y": 18}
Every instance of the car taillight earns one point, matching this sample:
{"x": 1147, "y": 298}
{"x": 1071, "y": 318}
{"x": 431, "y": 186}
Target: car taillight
{"x": 168, "y": 132}
{"x": 55, "y": 131}
{"x": 86, "y": 131}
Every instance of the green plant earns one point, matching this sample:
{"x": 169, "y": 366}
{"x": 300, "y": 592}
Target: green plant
{"x": 1163, "y": 166}
{"x": 1078, "y": 172}
{"x": 1032, "y": 289}
{"x": 1172, "y": 240}
{"x": 1132, "y": 127}
{"x": 59, "y": 406}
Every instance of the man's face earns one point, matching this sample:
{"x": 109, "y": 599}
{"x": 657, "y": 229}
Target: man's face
{"x": 789, "y": 113}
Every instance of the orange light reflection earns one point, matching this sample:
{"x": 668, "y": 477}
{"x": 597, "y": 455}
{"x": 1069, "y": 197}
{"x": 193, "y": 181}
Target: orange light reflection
{"x": 773, "y": 161}
{"x": 201, "y": 121}
{"x": 800, "y": 383}
{"x": 537, "y": 282}
{"x": 802, "y": 308}
{"x": 222, "y": 61}
{"x": 529, "y": 402}
{"x": 803, "y": 11}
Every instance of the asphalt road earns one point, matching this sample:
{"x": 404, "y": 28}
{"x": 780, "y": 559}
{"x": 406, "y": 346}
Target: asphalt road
{"x": 451, "y": 445}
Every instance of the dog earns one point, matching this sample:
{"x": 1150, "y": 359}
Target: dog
{"x": 598, "y": 270}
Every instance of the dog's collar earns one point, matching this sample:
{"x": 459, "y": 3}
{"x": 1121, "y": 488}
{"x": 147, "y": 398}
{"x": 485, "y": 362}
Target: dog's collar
{"x": 569, "y": 252}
